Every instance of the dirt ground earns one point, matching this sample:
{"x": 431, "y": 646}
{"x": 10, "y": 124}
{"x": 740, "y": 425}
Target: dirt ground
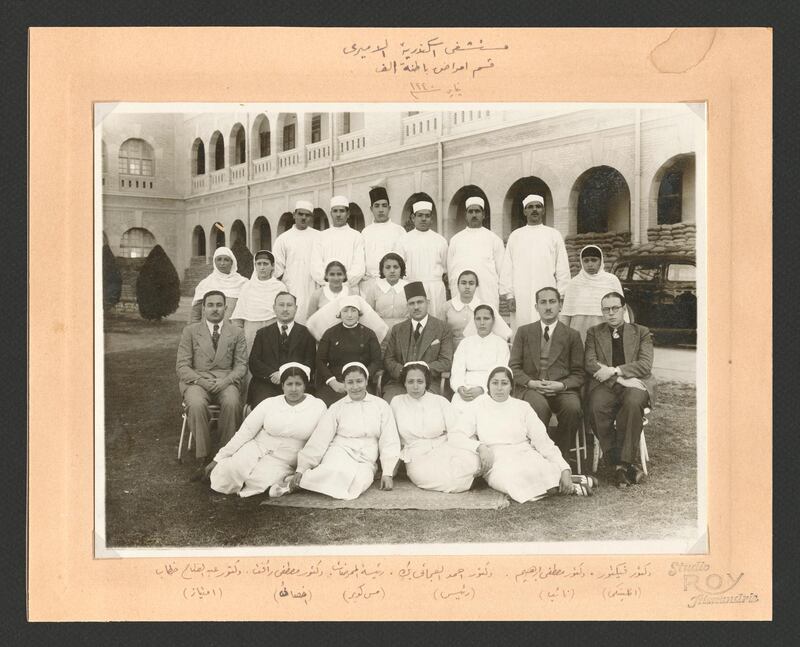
{"x": 151, "y": 503}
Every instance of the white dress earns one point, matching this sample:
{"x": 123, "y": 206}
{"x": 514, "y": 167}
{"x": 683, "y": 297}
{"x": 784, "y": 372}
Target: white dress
{"x": 292, "y": 252}
{"x": 255, "y": 306}
{"x": 535, "y": 258}
{"x": 437, "y": 456}
{"x": 343, "y": 244}
{"x": 264, "y": 450}
{"x": 340, "y": 458}
{"x": 380, "y": 238}
{"x": 425, "y": 254}
{"x": 473, "y": 360}
{"x": 525, "y": 463}
{"x": 480, "y": 250}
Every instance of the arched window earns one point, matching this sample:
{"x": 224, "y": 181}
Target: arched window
{"x": 262, "y": 237}
{"x": 136, "y": 243}
{"x": 198, "y": 157}
{"x": 217, "y": 235}
{"x": 513, "y": 215}
{"x": 198, "y": 241}
{"x": 238, "y": 233}
{"x": 287, "y": 131}
{"x": 261, "y": 145}
{"x": 603, "y": 201}
{"x": 675, "y": 181}
{"x": 320, "y": 219}
{"x": 218, "y": 151}
{"x": 238, "y": 155}
{"x": 406, "y": 219}
{"x": 136, "y": 158}
{"x": 286, "y": 222}
{"x": 355, "y": 217}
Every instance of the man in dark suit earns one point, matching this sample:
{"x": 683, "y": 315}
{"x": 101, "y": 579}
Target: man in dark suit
{"x": 421, "y": 337}
{"x": 619, "y": 359}
{"x": 547, "y": 361}
{"x": 283, "y": 341}
{"x": 211, "y": 364}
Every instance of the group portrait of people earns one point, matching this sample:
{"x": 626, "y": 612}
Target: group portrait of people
{"x": 341, "y": 360}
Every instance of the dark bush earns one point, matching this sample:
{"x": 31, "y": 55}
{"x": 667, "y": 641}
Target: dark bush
{"x": 244, "y": 259}
{"x": 158, "y": 288}
{"x": 112, "y": 279}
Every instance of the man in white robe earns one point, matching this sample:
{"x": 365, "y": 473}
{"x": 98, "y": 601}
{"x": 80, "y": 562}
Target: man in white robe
{"x": 425, "y": 253}
{"x": 478, "y": 249}
{"x": 380, "y": 237}
{"x": 292, "y": 252}
{"x": 339, "y": 243}
{"x": 535, "y": 257}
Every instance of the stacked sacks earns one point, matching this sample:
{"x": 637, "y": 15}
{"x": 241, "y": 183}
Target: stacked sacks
{"x": 679, "y": 238}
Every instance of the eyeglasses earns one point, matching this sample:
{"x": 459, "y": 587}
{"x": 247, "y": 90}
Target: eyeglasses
{"x": 611, "y": 311}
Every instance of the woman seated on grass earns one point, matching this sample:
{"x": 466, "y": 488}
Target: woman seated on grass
{"x": 264, "y": 450}
{"x": 517, "y": 456}
{"x": 340, "y": 458}
{"x": 436, "y": 455}
{"x": 335, "y": 288}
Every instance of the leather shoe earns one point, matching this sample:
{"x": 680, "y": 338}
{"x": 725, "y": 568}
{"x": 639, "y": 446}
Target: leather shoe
{"x": 635, "y": 475}
{"x": 622, "y": 477}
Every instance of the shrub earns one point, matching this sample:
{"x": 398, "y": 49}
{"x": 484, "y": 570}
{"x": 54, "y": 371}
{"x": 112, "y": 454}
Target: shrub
{"x": 158, "y": 288}
{"x": 244, "y": 259}
{"x": 112, "y": 279}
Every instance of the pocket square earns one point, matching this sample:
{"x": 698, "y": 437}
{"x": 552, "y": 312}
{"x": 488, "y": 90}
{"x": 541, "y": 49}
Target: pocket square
{"x": 434, "y": 342}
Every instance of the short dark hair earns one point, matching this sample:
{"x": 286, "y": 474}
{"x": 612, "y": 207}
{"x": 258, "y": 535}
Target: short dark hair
{"x": 499, "y": 369}
{"x": 212, "y": 293}
{"x": 392, "y": 256}
{"x": 614, "y": 294}
{"x": 540, "y": 290}
{"x": 477, "y": 281}
{"x": 416, "y": 367}
{"x": 484, "y": 306}
{"x": 335, "y": 264}
{"x": 355, "y": 367}
{"x": 294, "y": 371}
{"x": 284, "y": 293}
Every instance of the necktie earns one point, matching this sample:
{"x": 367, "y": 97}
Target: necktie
{"x": 547, "y": 333}
{"x": 284, "y": 336}
{"x": 417, "y": 332}
{"x": 615, "y": 333}
{"x": 215, "y": 336}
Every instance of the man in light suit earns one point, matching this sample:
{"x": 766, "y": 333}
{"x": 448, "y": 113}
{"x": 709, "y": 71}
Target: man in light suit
{"x": 547, "y": 361}
{"x": 281, "y": 342}
{"x": 422, "y": 337}
{"x": 211, "y": 364}
{"x": 619, "y": 359}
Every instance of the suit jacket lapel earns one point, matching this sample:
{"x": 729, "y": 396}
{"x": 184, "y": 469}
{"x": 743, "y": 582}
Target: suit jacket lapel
{"x": 535, "y": 341}
{"x": 427, "y": 337}
{"x": 557, "y": 341}
{"x": 605, "y": 345}
{"x": 204, "y": 338}
{"x": 222, "y": 343}
{"x": 629, "y": 342}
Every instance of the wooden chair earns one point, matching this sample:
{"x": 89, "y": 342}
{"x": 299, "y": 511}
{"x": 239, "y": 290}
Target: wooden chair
{"x": 644, "y": 456}
{"x": 580, "y": 442}
{"x": 213, "y": 416}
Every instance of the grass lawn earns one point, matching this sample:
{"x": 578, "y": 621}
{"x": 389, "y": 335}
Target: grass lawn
{"x": 150, "y": 503}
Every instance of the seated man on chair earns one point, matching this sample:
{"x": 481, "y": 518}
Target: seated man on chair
{"x": 619, "y": 359}
{"x": 421, "y": 337}
{"x": 547, "y": 361}
{"x": 212, "y": 361}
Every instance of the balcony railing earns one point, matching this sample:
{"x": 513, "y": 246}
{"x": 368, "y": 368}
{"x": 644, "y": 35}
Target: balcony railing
{"x": 137, "y": 183}
{"x": 288, "y": 159}
{"x": 238, "y": 173}
{"x": 198, "y": 183}
{"x": 461, "y": 118}
{"x": 262, "y": 166}
{"x": 352, "y": 142}
{"x": 318, "y": 151}
{"x": 422, "y": 126}
{"x": 217, "y": 179}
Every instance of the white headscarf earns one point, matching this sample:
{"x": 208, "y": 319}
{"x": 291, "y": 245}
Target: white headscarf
{"x": 326, "y": 317}
{"x": 257, "y": 299}
{"x": 584, "y": 292}
{"x": 499, "y": 327}
{"x": 229, "y": 284}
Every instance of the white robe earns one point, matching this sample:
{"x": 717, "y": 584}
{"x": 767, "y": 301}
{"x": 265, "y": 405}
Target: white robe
{"x": 380, "y": 238}
{"x": 343, "y": 244}
{"x": 436, "y": 455}
{"x": 425, "y": 254}
{"x": 340, "y": 458}
{"x": 264, "y": 450}
{"x": 292, "y": 252}
{"x": 480, "y": 250}
{"x": 525, "y": 463}
{"x": 473, "y": 360}
{"x": 535, "y": 258}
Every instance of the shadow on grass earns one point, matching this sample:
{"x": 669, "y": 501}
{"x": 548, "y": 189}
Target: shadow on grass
{"x": 150, "y": 503}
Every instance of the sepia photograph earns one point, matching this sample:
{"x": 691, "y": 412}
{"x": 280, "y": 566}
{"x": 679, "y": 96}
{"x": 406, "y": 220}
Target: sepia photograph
{"x": 400, "y": 328}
